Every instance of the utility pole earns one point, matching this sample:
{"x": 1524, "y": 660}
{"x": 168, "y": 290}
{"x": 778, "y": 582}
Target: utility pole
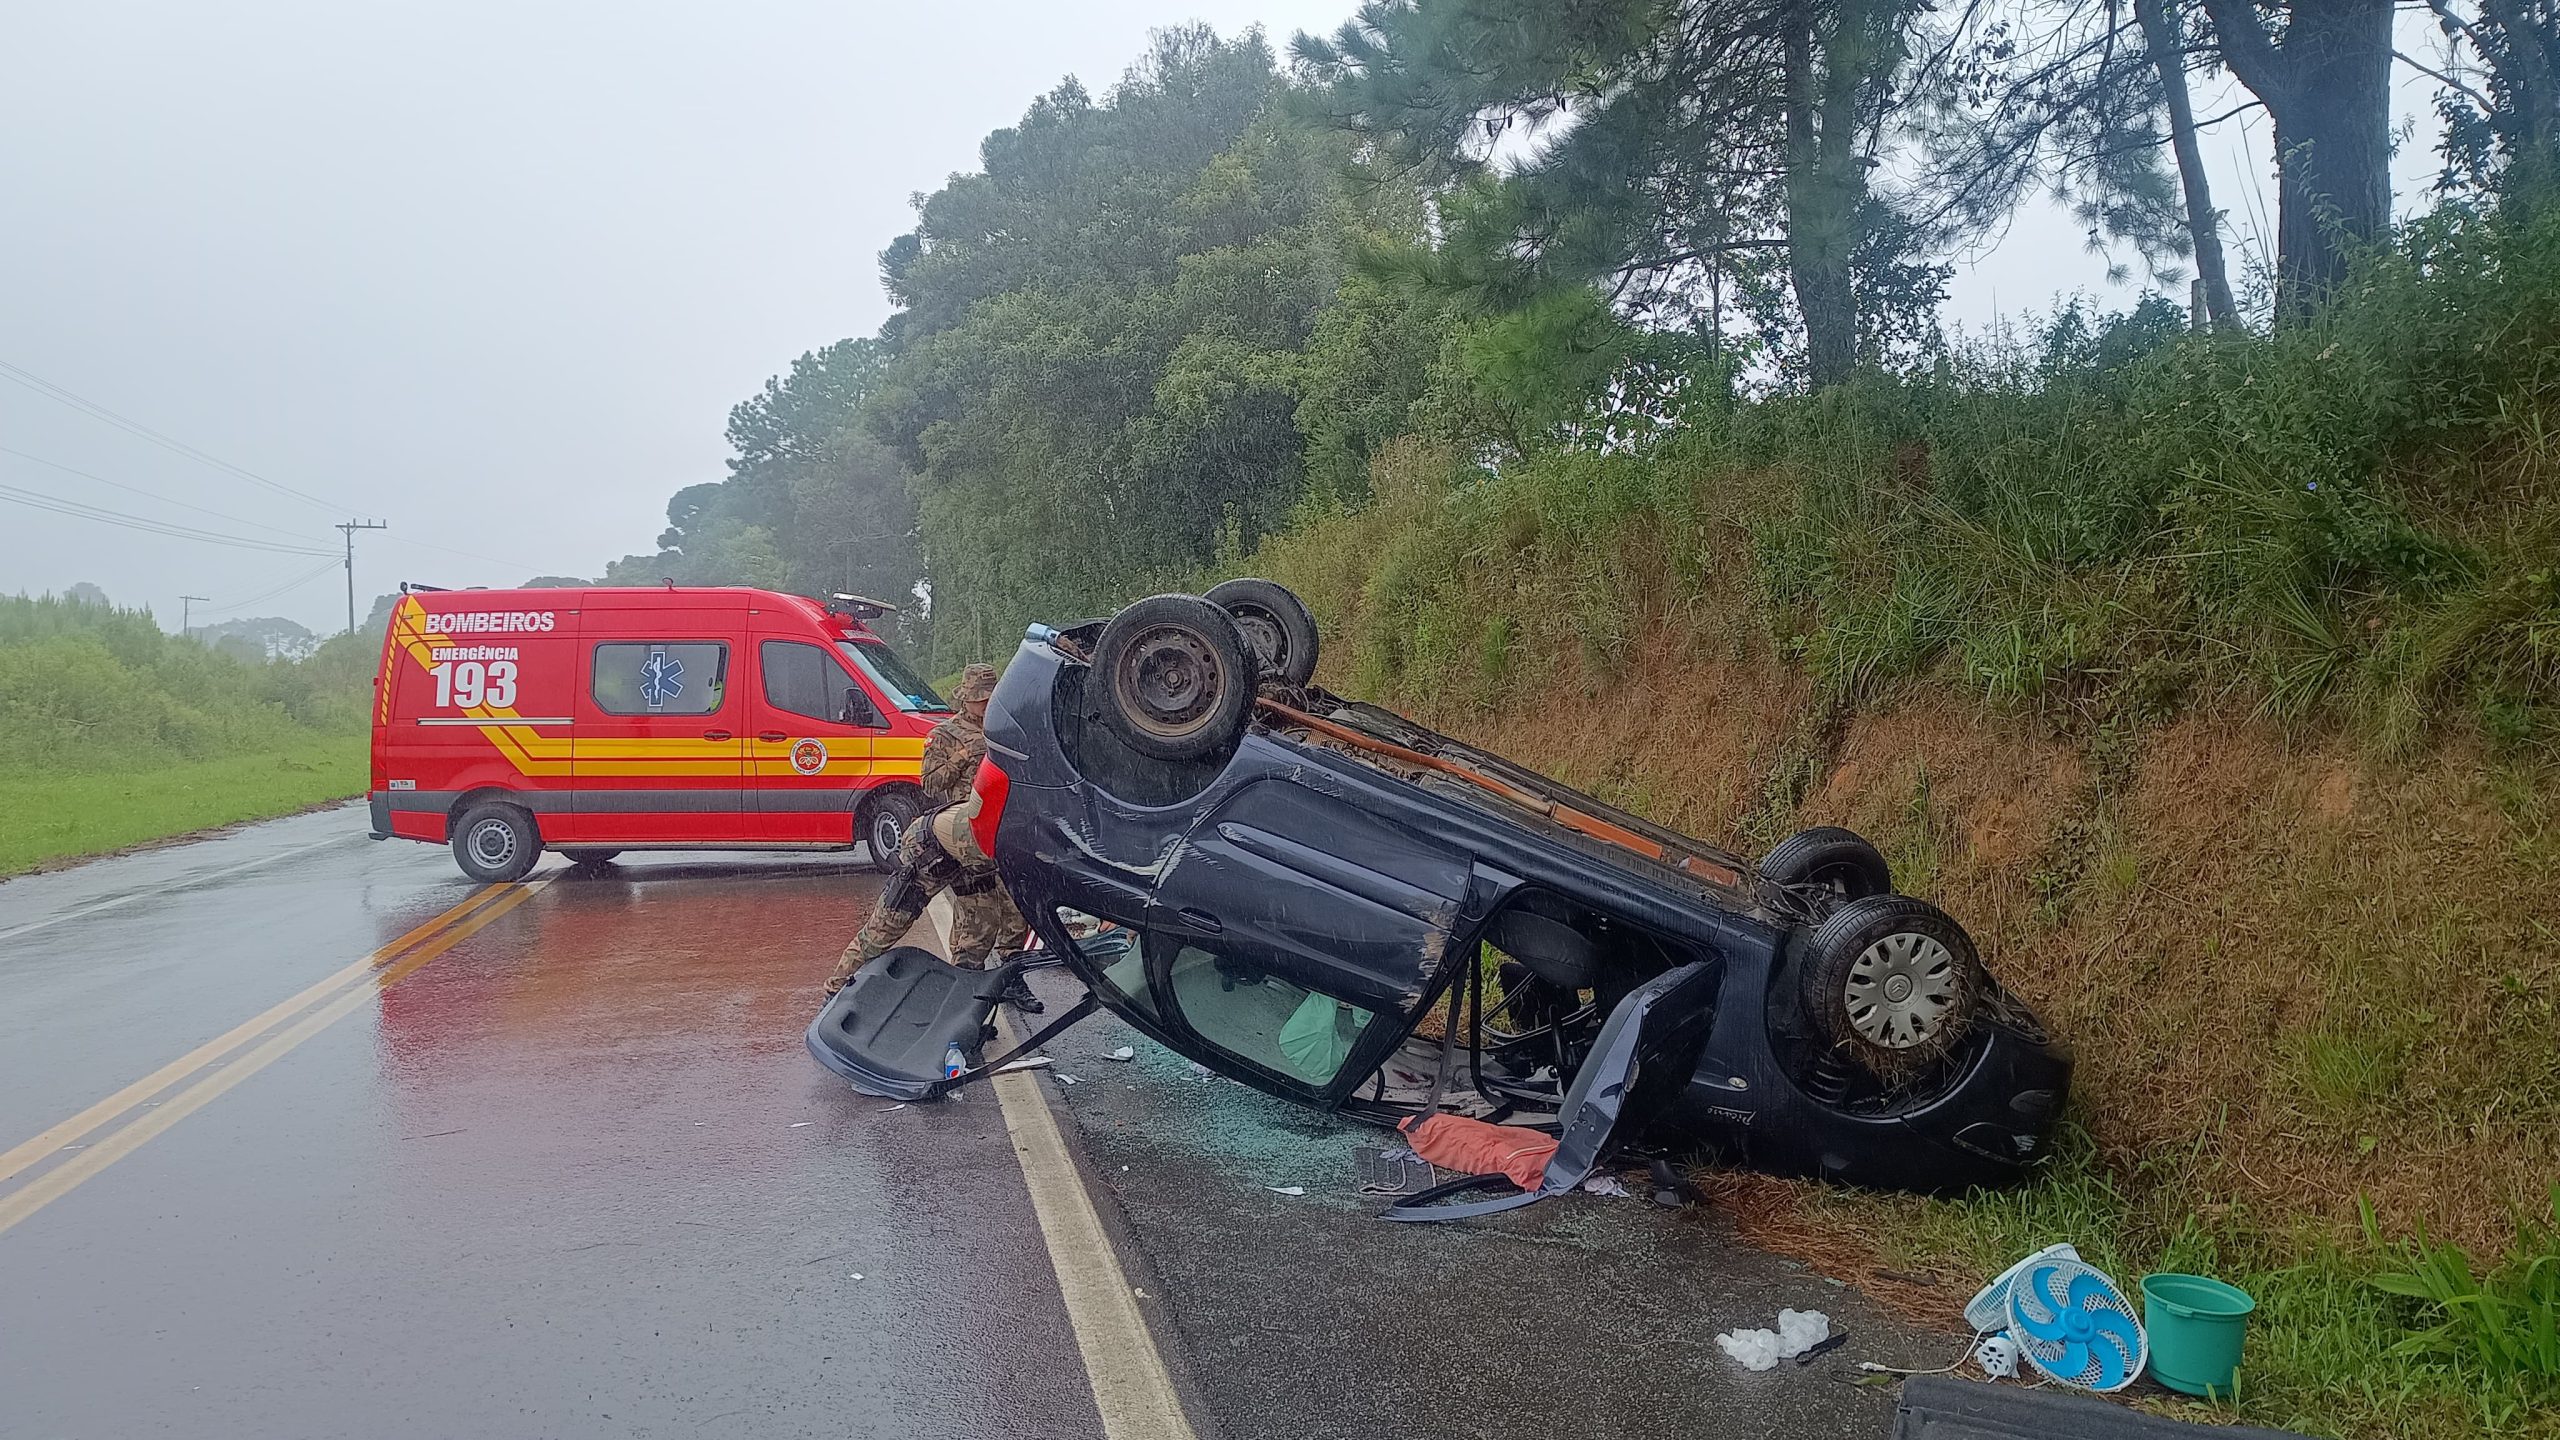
{"x": 349, "y": 530}
{"x": 185, "y": 604}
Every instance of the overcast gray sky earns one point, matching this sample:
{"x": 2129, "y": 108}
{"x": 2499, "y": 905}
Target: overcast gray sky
{"x": 494, "y": 273}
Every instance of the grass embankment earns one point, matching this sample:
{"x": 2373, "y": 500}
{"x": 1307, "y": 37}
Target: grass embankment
{"x": 2214, "y": 685}
{"x": 113, "y": 734}
{"x": 60, "y": 814}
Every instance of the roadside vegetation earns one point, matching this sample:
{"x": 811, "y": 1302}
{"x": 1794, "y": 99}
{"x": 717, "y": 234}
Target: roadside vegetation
{"x": 2205, "y": 661}
{"x": 117, "y": 734}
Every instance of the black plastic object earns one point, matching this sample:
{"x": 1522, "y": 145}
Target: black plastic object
{"x": 1596, "y": 1100}
{"x": 889, "y": 1030}
{"x": 1937, "y": 1407}
{"x": 1176, "y": 677}
{"x": 1275, "y": 622}
{"x": 1827, "y": 857}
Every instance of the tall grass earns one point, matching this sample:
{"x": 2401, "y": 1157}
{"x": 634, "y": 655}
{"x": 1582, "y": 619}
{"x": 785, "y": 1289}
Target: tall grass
{"x": 84, "y": 686}
{"x": 2360, "y": 517}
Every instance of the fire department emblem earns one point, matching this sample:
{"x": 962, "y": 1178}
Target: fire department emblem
{"x": 809, "y": 757}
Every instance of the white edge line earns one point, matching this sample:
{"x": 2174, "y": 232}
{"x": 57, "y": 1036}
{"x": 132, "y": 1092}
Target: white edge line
{"x": 1132, "y": 1390}
{"x": 185, "y": 883}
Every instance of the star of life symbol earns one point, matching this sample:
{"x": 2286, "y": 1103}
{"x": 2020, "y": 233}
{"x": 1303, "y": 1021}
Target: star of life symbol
{"x": 661, "y": 678}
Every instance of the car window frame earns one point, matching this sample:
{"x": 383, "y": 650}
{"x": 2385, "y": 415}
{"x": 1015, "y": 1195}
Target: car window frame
{"x": 1385, "y": 1031}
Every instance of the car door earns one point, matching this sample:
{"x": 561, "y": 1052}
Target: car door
{"x": 660, "y": 748}
{"x": 1292, "y": 937}
{"x": 816, "y": 727}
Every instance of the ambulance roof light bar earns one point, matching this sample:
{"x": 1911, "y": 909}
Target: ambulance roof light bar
{"x": 858, "y": 606}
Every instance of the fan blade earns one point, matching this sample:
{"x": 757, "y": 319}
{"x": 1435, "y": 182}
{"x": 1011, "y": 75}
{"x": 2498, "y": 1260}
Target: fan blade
{"x": 2119, "y": 1327}
{"x": 2039, "y": 1288}
{"x": 2111, "y": 1366}
{"x": 2086, "y": 1287}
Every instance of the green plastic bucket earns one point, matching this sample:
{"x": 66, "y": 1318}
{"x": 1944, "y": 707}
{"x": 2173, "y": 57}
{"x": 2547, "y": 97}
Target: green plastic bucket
{"x": 2195, "y": 1326}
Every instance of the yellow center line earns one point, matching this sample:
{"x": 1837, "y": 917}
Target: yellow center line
{"x": 19, "y": 1157}
{"x": 63, "y": 1178}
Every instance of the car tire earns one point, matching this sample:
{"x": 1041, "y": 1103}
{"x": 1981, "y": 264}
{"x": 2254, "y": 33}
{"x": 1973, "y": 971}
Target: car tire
{"x": 1176, "y": 677}
{"x": 1827, "y": 857}
{"x": 495, "y": 844}
{"x": 587, "y": 857}
{"x": 1275, "y": 622}
{"x": 1891, "y": 981}
{"x": 883, "y": 819}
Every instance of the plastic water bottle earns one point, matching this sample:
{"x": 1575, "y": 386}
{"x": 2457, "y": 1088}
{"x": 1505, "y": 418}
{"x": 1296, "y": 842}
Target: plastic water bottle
{"x": 954, "y": 1064}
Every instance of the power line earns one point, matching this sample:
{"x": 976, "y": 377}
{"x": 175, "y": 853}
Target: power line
{"x": 466, "y": 554}
{"x": 150, "y": 495}
{"x": 32, "y": 381}
{"x": 38, "y": 500}
{"x": 295, "y": 583}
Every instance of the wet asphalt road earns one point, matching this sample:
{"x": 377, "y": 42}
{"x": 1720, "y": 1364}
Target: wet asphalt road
{"x": 575, "y": 1175}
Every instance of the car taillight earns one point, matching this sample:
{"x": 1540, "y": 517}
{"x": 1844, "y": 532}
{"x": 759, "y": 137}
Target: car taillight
{"x": 993, "y": 786}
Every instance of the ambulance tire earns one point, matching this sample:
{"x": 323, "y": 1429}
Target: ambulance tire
{"x": 495, "y": 844}
{"x": 882, "y": 819}
{"x": 588, "y": 859}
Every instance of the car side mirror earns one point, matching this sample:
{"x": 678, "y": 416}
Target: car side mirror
{"x": 858, "y": 709}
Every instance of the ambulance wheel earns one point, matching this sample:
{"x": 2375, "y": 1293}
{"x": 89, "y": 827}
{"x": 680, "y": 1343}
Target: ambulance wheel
{"x": 882, "y": 820}
{"x": 587, "y": 858}
{"x": 1177, "y": 677}
{"x": 496, "y": 843}
{"x": 1275, "y": 622}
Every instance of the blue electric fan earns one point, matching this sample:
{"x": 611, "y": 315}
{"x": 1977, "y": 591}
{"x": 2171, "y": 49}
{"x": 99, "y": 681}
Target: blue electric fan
{"x": 2075, "y": 1325}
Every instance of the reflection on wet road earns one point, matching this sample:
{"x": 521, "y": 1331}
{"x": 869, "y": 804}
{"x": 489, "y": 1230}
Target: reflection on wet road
{"x": 571, "y": 1174}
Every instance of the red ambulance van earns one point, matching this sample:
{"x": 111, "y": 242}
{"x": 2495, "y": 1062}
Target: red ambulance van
{"x": 593, "y": 721}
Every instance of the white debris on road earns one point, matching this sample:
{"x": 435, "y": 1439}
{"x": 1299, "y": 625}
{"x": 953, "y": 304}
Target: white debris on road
{"x": 1797, "y": 1332}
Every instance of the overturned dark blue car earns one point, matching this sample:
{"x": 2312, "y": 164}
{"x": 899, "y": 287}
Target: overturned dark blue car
{"x": 1333, "y": 904}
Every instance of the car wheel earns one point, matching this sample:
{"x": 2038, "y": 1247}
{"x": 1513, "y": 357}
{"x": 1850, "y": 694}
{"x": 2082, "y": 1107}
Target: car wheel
{"x": 1275, "y": 623}
{"x": 883, "y": 819}
{"x": 588, "y": 857}
{"x": 1177, "y": 677}
{"x": 1890, "y": 980}
{"x": 496, "y": 843}
{"x": 1827, "y": 857}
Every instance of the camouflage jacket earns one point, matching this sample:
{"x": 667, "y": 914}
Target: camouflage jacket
{"x": 951, "y": 756}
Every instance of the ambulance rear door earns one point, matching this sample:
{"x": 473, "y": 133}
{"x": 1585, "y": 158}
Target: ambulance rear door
{"x": 660, "y": 750}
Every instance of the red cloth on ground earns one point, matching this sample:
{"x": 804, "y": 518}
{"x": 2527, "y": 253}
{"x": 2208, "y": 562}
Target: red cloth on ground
{"x": 1476, "y": 1147}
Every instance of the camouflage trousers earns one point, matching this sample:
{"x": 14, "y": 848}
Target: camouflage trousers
{"x": 982, "y": 915}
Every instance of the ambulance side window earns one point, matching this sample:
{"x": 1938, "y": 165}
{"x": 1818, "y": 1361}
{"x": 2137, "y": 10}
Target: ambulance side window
{"x": 805, "y": 680}
{"x": 660, "y": 677}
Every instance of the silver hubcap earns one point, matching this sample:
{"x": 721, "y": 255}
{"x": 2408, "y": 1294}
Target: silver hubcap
{"x": 493, "y": 844}
{"x": 1900, "y": 990}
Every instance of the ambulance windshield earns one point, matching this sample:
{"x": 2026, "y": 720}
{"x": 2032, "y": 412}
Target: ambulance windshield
{"x": 904, "y": 687}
